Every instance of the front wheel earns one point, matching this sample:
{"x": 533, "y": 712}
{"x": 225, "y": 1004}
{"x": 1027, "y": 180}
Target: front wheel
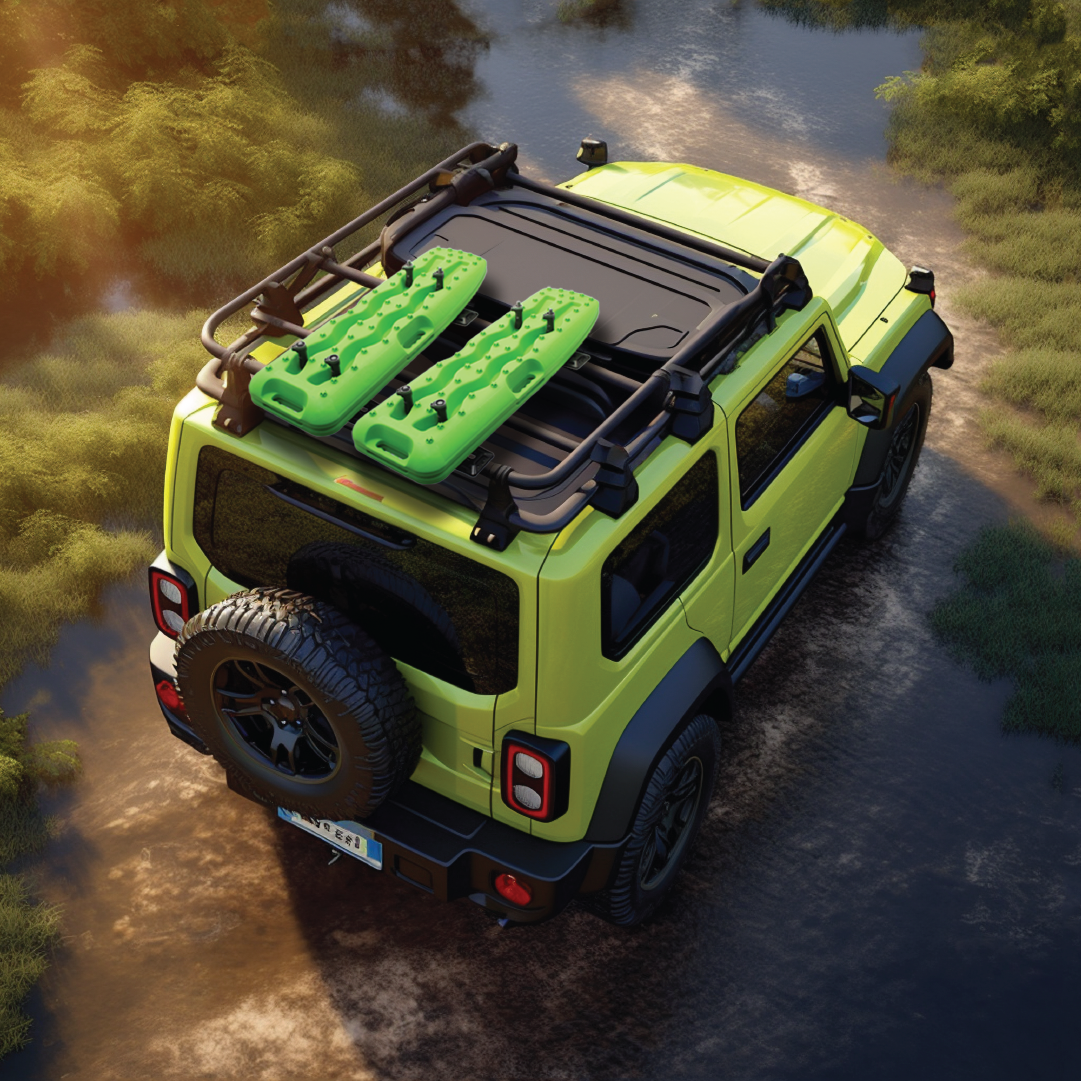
{"x": 671, "y": 810}
{"x": 901, "y": 459}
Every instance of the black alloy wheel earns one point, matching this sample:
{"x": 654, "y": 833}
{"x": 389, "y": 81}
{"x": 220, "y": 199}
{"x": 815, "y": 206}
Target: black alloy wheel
{"x": 899, "y": 457}
{"x": 902, "y": 454}
{"x": 672, "y": 830}
{"x": 673, "y": 804}
{"x": 278, "y": 720}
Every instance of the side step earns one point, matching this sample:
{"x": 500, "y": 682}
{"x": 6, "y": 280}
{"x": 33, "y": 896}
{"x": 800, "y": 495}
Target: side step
{"x": 328, "y": 376}
{"x": 428, "y": 428}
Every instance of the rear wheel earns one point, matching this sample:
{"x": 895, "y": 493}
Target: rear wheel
{"x": 673, "y": 805}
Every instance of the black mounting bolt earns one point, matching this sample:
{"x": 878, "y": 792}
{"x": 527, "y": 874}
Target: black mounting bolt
{"x": 550, "y": 319}
{"x": 406, "y": 393}
{"x": 440, "y": 407}
{"x": 301, "y": 350}
{"x": 438, "y": 275}
{"x": 517, "y": 309}
{"x": 334, "y": 363}
{"x": 408, "y": 268}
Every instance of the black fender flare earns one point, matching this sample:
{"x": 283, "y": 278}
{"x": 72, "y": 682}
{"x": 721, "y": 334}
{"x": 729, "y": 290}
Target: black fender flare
{"x": 698, "y": 677}
{"x": 928, "y": 344}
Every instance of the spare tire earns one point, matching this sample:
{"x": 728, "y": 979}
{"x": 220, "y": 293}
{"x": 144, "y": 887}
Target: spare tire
{"x": 298, "y": 704}
{"x": 392, "y": 606}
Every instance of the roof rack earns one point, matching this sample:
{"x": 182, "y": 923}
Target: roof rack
{"x": 598, "y": 470}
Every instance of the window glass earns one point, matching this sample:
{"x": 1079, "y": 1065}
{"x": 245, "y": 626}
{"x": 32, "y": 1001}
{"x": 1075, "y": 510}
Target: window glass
{"x": 249, "y": 533}
{"x": 772, "y": 426}
{"x": 659, "y": 557}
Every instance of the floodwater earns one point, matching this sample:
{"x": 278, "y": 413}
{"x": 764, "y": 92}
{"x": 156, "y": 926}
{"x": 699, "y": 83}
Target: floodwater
{"x": 885, "y": 886}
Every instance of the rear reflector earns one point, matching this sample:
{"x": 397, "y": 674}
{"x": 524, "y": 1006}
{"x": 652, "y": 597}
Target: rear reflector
{"x": 513, "y": 889}
{"x": 168, "y": 696}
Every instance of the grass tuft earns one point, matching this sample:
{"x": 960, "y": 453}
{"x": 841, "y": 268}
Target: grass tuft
{"x": 1016, "y": 616}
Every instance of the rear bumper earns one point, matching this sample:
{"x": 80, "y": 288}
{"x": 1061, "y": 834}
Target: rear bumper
{"x": 452, "y": 851}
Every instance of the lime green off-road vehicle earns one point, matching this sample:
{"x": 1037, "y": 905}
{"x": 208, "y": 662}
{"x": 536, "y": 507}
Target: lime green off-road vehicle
{"x": 466, "y": 550}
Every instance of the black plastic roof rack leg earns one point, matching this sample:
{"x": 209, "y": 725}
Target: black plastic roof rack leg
{"x": 494, "y": 527}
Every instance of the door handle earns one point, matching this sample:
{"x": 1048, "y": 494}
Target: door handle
{"x": 755, "y": 551}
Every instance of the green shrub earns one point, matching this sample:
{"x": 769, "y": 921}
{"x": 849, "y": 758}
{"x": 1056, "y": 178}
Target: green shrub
{"x": 28, "y": 931}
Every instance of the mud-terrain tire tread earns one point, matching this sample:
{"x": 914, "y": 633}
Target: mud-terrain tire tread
{"x": 341, "y": 662}
{"x": 624, "y": 902}
{"x": 330, "y": 570}
{"x": 880, "y": 518}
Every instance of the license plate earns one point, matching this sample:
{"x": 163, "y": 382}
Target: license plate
{"x": 350, "y": 837}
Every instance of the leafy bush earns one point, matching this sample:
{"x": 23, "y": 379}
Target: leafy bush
{"x": 28, "y": 931}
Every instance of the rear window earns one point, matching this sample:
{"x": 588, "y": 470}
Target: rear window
{"x": 249, "y": 521}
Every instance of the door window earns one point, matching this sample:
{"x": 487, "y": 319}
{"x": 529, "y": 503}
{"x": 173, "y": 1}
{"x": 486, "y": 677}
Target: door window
{"x": 774, "y": 425}
{"x": 660, "y": 556}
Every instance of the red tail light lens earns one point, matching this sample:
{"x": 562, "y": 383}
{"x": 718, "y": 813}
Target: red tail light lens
{"x": 536, "y": 776}
{"x": 169, "y": 601}
{"x": 513, "y": 889}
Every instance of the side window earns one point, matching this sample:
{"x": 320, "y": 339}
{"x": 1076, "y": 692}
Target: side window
{"x": 658, "y": 558}
{"x": 771, "y": 428}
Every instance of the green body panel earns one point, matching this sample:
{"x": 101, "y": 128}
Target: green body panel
{"x": 374, "y": 338}
{"x": 800, "y": 501}
{"x": 567, "y": 689}
{"x": 482, "y": 385}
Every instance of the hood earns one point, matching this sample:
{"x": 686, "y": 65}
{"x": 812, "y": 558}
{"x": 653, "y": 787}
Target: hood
{"x": 844, "y": 263}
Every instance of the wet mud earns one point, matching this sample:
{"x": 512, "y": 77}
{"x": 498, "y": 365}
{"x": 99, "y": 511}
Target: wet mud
{"x": 885, "y": 886}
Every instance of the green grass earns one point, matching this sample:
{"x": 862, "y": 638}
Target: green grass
{"x": 1016, "y": 615}
{"x": 28, "y": 931}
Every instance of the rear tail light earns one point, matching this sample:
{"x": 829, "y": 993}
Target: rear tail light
{"x": 173, "y": 597}
{"x": 536, "y": 776}
{"x": 513, "y": 889}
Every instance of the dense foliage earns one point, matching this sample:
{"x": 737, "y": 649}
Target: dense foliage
{"x": 27, "y": 930}
{"x": 209, "y": 140}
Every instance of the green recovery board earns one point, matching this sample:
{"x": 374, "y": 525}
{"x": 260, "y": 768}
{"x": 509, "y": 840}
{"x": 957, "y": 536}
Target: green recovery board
{"x": 480, "y": 386}
{"x": 373, "y": 340}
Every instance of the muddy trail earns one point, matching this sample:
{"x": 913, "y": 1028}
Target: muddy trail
{"x": 884, "y": 887}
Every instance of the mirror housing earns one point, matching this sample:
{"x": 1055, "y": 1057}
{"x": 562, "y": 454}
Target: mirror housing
{"x": 872, "y": 397}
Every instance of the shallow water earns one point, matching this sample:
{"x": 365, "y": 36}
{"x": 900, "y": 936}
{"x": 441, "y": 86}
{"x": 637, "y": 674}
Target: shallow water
{"x": 885, "y": 886}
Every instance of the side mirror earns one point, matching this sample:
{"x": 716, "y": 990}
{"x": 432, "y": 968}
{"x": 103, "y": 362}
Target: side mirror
{"x": 871, "y": 397}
